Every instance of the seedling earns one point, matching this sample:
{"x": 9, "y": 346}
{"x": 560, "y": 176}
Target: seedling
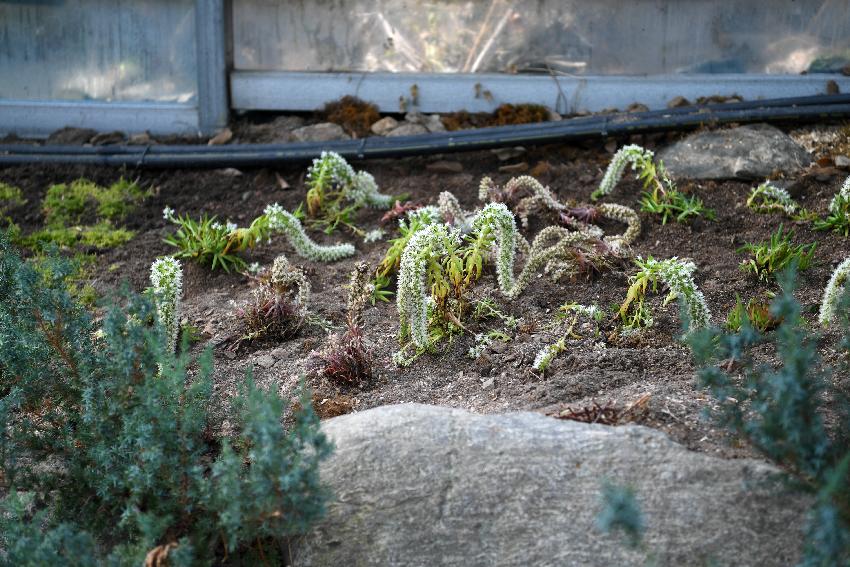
{"x": 776, "y": 254}
{"x": 660, "y": 196}
{"x": 756, "y": 313}
{"x": 166, "y": 288}
{"x": 767, "y": 198}
{"x": 208, "y": 241}
{"x": 278, "y": 307}
{"x": 677, "y": 275}
{"x": 335, "y": 193}
{"x": 346, "y": 360}
{"x": 571, "y": 312}
{"x": 838, "y": 219}
{"x": 833, "y": 292}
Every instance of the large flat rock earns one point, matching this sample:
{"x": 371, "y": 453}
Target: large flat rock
{"x": 424, "y": 485}
{"x": 746, "y": 152}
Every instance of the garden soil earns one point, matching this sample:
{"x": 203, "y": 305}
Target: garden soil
{"x": 652, "y": 369}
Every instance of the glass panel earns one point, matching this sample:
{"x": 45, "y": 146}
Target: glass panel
{"x": 569, "y": 36}
{"x": 125, "y": 50}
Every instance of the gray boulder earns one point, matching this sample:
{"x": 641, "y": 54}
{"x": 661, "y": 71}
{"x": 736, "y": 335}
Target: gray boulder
{"x": 746, "y": 152}
{"x": 424, "y": 485}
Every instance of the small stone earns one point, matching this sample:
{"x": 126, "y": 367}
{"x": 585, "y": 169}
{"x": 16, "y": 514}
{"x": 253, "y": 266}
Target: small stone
{"x": 287, "y": 122}
{"x": 281, "y": 182}
{"x": 504, "y": 154}
{"x": 498, "y": 347}
{"x": 279, "y": 353}
{"x": 209, "y": 330}
{"x": 108, "y": 138}
{"x": 71, "y": 136}
{"x": 322, "y": 132}
{"x": 221, "y": 138}
{"x": 142, "y": 139}
{"x": 678, "y": 102}
{"x": 611, "y": 146}
{"x": 489, "y": 383}
{"x": 842, "y": 161}
{"x": 245, "y": 196}
{"x": 444, "y": 166}
{"x": 514, "y": 168}
{"x": 554, "y": 116}
{"x": 265, "y": 361}
{"x": 434, "y": 123}
{"x": 230, "y": 172}
{"x": 229, "y": 354}
{"x": 637, "y": 107}
{"x": 408, "y": 129}
{"x": 414, "y": 118}
{"x": 384, "y": 126}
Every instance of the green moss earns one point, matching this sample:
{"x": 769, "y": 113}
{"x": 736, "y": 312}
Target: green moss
{"x": 102, "y": 235}
{"x": 71, "y": 204}
{"x": 10, "y": 197}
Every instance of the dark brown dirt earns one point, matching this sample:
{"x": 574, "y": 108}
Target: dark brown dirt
{"x": 620, "y": 370}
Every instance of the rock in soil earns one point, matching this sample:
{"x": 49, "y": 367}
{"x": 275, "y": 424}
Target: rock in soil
{"x": 71, "y": 135}
{"x": 407, "y": 129}
{"x": 322, "y": 132}
{"x": 108, "y": 138}
{"x": 748, "y": 152}
{"x": 221, "y": 138}
{"x": 384, "y": 126}
{"x": 443, "y": 166}
{"x": 426, "y": 485}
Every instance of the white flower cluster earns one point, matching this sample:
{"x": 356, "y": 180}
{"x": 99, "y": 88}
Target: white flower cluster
{"x": 284, "y": 275}
{"x": 168, "y": 213}
{"x": 451, "y": 211}
{"x": 482, "y": 341}
{"x": 412, "y": 298}
{"x": 375, "y": 235}
{"x": 360, "y": 187}
{"x": 495, "y": 217}
{"x": 623, "y": 214}
{"x": 832, "y": 293}
{"x": 767, "y": 198}
{"x": 167, "y": 285}
{"x": 678, "y": 275}
{"x": 627, "y": 155}
{"x": 842, "y": 195}
{"x": 546, "y": 355}
{"x": 283, "y": 221}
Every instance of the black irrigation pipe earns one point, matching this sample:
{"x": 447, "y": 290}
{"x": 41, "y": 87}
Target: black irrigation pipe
{"x": 801, "y": 109}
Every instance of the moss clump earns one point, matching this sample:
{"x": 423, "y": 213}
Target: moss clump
{"x": 504, "y": 115}
{"x": 84, "y": 214}
{"x": 507, "y": 114}
{"x": 71, "y": 204}
{"x": 354, "y": 115}
{"x": 10, "y": 197}
{"x": 102, "y": 235}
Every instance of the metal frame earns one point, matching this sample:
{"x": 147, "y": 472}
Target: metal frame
{"x": 391, "y": 92}
{"x": 211, "y": 47}
{"x": 39, "y": 118}
{"x": 29, "y": 118}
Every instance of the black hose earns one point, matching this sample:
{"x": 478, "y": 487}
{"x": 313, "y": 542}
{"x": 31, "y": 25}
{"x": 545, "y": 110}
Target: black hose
{"x": 246, "y": 155}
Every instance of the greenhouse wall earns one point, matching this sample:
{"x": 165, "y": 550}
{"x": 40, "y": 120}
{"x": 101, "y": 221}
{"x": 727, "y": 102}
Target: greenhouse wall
{"x": 180, "y": 65}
